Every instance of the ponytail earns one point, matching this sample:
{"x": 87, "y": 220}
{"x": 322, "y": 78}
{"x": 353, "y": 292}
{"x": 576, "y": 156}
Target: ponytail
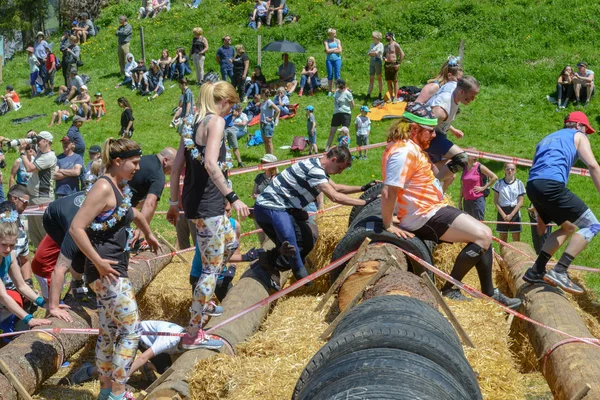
{"x": 126, "y": 146}
{"x": 211, "y": 94}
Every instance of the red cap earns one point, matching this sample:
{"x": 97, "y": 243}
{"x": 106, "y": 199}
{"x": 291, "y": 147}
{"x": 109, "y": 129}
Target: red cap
{"x": 65, "y": 139}
{"x": 581, "y": 118}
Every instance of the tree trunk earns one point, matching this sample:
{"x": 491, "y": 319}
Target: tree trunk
{"x": 570, "y": 366}
{"x": 34, "y": 357}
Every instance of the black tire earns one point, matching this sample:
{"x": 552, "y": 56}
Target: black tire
{"x": 420, "y": 375}
{"x": 408, "y": 338}
{"x": 373, "y": 209}
{"x": 375, "y": 190}
{"x": 399, "y": 310}
{"x": 372, "y": 228}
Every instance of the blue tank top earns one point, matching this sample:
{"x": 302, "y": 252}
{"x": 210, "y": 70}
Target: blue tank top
{"x": 4, "y": 266}
{"x": 333, "y": 56}
{"x": 22, "y": 175}
{"x": 554, "y": 156}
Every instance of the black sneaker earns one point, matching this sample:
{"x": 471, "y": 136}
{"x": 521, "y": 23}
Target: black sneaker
{"x": 532, "y": 276}
{"x": 563, "y": 281}
{"x": 301, "y": 273}
{"x": 455, "y": 294}
{"x": 512, "y": 303}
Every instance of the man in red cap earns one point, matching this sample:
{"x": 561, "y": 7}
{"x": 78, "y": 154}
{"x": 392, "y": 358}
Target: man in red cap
{"x": 548, "y": 192}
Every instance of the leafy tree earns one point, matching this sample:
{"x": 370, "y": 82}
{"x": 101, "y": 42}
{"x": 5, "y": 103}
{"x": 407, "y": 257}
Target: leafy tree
{"x": 24, "y": 15}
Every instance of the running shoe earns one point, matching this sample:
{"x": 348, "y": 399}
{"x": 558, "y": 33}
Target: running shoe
{"x": 455, "y": 294}
{"x": 201, "y": 340}
{"x": 563, "y": 281}
{"x": 532, "y": 276}
{"x": 213, "y": 310}
{"x": 512, "y": 303}
{"x": 83, "y": 373}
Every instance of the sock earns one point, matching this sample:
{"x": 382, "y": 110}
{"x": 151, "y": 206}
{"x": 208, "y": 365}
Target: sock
{"x": 564, "y": 263}
{"x": 468, "y": 257}
{"x": 104, "y": 393}
{"x": 540, "y": 264}
{"x": 484, "y": 271}
{"x": 116, "y": 396}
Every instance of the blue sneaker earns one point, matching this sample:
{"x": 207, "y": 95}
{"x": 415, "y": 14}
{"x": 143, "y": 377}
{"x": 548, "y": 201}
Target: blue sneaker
{"x": 83, "y": 373}
{"x": 201, "y": 340}
{"x": 213, "y": 310}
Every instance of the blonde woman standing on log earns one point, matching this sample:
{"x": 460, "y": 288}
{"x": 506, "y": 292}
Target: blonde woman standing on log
{"x": 202, "y": 150}
{"x": 101, "y": 230}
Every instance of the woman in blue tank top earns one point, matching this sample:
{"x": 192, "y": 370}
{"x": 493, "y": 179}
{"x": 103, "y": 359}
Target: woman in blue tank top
{"x": 333, "y": 49}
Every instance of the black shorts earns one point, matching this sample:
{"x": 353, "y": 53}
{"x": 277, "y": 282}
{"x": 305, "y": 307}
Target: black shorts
{"x": 554, "y": 202}
{"x": 505, "y": 228}
{"x": 437, "y": 225}
{"x": 68, "y": 248}
{"x": 341, "y": 119}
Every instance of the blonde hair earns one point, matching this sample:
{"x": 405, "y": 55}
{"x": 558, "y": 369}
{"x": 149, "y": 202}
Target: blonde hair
{"x": 240, "y": 48}
{"x": 9, "y": 229}
{"x": 331, "y": 30}
{"x": 197, "y": 31}
{"x": 442, "y": 76}
{"x": 399, "y": 130}
{"x": 212, "y": 93}
{"x": 96, "y": 167}
{"x": 377, "y": 35}
{"x": 112, "y": 145}
{"x": 311, "y": 59}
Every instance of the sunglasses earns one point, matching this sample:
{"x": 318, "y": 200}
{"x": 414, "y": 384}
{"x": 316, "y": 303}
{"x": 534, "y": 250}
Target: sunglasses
{"x": 22, "y": 199}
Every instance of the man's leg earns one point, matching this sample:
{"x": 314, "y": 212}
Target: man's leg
{"x": 590, "y": 91}
{"x": 577, "y": 87}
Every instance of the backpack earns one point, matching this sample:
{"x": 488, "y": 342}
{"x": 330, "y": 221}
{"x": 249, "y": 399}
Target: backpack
{"x": 298, "y": 144}
{"x": 255, "y": 140}
{"x": 483, "y": 179}
{"x": 60, "y": 99}
{"x": 85, "y": 78}
{"x": 58, "y": 63}
{"x": 4, "y": 107}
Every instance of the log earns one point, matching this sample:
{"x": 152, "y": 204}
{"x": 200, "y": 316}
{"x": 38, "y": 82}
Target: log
{"x": 34, "y": 357}
{"x": 569, "y": 367}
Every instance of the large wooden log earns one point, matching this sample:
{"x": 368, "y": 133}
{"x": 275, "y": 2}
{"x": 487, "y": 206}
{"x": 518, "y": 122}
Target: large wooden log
{"x": 571, "y": 366}
{"x": 34, "y": 357}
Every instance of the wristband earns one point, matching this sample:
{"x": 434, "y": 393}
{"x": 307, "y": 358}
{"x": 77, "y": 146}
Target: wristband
{"x": 232, "y": 197}
{"x": 173, "y": 202}
{"x": 27, "y": 318}
{"x": 40, "y": 301}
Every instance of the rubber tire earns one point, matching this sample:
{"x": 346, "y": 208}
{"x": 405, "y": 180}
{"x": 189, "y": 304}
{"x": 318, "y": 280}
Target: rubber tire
{"x": 375, "y": 190}
{"x": 408, "y": 338}
{"x": 373, "y": 209}
{"x": 355, "y": 236}
{"x": 419, "y": 374}
{"x": 403, "y": 310}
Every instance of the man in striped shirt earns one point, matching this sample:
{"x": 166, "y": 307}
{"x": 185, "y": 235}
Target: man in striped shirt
{"x": 294, "y": 189}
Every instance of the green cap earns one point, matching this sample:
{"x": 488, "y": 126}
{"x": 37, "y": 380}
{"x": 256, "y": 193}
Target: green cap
{"x": 420, "y": 113}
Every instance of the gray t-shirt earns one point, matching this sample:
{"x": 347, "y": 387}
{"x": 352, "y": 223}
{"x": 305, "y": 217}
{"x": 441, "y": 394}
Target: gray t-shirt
{"x": 342, "y": 102}
{"x": 310, "y": 122}
{"x": 444, "y": 98}
{"x": 289, "y": 72}
{"x": 76, "y": 81}
{"x": 41, "y": 183}
{"x": 91, "y": 29}
{"x": 266, "y": 111}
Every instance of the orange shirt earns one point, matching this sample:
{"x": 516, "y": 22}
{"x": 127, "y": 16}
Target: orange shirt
{"x": 14, "y": 96}
{"x": 99, "y": 103}
{"x": 420, "y": 195}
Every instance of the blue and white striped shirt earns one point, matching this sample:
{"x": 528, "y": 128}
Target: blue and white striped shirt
{"x": 295, "y": 187}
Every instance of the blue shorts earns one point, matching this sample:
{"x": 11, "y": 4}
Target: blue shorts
{"x": 439, "y": 146}
{"x": 33, "y": 77}
{"x": 312, "y": 139}
{"x": 266, "y": 129}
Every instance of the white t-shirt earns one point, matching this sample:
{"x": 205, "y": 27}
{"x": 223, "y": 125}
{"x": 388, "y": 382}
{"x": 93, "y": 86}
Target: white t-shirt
{"x": 508, "y": 193}
{"x": 241, "y": 129}
{"x": 363, "y": 125}
{"x": 161, "y": 344}
{"x": 378, "y": 49}
{"x": 444, "y": 98}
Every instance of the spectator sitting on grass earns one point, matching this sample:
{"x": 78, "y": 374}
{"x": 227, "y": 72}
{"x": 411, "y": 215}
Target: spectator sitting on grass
{"x": 282, "y": 101}
{"x": 261, "y": 9}
{"x": 180, "y": 64}
{"x": 164, "y": 62}
{"x": 253, "y": 107}
{"x": 86, "y": 28}
{"x": 564, "y": 87}
{"x": 153, "y": 8}
{"x": 137, "y": 75}
{"x": 584, "y": 79}
{"x": 82, "y": 101}
{"x": 257, "y": 83}
{"x": 73, "y": 87}
{"x": 12, "y": 98}
{"x": 451, "y": 71}
{"x": 153, "y": 81}
{"x": 240, "y": 122}
{"x": 186, "y": 103}
{"x": 277, "y": 7}
{"x": 60, "y": 116}
{"x": 98, "y": 107}
{"x": 130, "y": 65}
{"x": 287, "y": 74}
{"x": 309, "y": 76}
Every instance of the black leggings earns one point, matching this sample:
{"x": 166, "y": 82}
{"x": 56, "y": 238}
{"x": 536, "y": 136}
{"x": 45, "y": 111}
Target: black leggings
{"x": 239, "y": 84}
{"x": 474, "y": 256}
{"x": 564, "y": 92}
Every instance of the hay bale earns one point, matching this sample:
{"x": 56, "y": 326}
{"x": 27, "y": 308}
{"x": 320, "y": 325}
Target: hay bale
{"x": 268, "y": 365}
{"x": 396, "y": 282}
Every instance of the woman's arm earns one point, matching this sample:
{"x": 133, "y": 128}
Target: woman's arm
{"x": 14, "y": 272}
{"x": 246, "y": 64}
{"x": 327, "y": 50}
{"x": 497, "y": 205}
{"x": 205, "y": 45}
{"x": 13, "y": 173}
{"x": 173, "y": 213}
{"x": 339, "y": 48}
{"x": 142, "y": 224}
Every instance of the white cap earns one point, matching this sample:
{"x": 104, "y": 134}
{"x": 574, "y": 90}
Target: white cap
{"x": 46, "y": 135}
{"x": 269, "y": 158}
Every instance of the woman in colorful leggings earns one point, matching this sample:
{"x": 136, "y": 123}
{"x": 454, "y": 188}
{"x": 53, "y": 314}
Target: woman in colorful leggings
{"x": 101, "y": 230}
{"x": 205, "y": 188}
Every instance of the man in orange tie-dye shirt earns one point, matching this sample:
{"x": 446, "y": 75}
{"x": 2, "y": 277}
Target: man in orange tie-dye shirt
{"x": 413, "y": 191}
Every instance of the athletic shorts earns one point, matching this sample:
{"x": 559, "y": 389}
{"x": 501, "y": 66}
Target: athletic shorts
{"x": 341, "y": 119}
{"x": 505, "y": 228}
{"x": 375, "y": 67}
{"x": 68, "y": 248}
{"x": 362, "y": 140}
{"x": 231, "y": 135}
{"x": 439, "y": 146}
{"x": 437, "y": 225}
{"x": 554, "y": 202}
{"x": 391, "y": 71}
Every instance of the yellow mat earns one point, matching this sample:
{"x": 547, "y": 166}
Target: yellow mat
{"x": 388, "y": 110}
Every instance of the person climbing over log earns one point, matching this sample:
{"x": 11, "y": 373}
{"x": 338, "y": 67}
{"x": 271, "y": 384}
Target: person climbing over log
{"x": 205, "y": 189}
{"x": 11, "y": 302}
{"x": 554, "y": 202}
{"x": 293, "y": 189}
{"x": 410, "y": 186}
{"x": 101, "y": 231}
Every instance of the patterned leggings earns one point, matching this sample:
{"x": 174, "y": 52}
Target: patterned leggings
{"x": 217, "y": 241}
{"x": 119, "y": 328}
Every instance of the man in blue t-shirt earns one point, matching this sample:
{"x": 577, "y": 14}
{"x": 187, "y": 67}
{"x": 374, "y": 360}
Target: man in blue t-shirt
{"x": 69, "y": 166}
{"x": 225, "y": 56}
{"x": 554, "y": 202}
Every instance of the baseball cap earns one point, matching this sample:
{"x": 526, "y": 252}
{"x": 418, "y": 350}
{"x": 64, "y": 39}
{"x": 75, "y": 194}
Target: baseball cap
{"x": 420, "y": 113}
{"x": 10, "y": 87}
{"x": 268, "y": 158}
{"x": 98, "y": 94}
{"x": 581, "y": 118}
{"x": 310, "y": 108}
{"x": 83, "y": 87}
{"x": 391, "y": 34}
{"x": 65, "y": 139}
{"x": 29, "y": 49}
{"x": 345, "y": 130}
{"x": 582, "y": 64}
{"x": 46, "y": 135}
{"x": 340, "y": 82}
{"x": 94, "y": 149}
{"x": 78, "y": 118}
{"x": 365, "y": 109}
{"x": 40, "y": 33}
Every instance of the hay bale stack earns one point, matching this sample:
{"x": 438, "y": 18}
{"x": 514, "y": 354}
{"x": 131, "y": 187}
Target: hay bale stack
{"x": 268, "y": 365}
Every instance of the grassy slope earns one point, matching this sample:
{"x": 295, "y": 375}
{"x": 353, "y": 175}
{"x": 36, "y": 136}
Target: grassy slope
{"x": 514, "y": 47}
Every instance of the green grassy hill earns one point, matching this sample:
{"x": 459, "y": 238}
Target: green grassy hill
{"x": 515, "y": 48}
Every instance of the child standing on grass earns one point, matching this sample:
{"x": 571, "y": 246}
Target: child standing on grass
{"x": 344, "y": 137}
{"x": 98, "y": 107}
{"x": 363, "y": 128}
{"x": 508, "y": 199}
{"x": 34, "y": 70}
{"x": 311, "y": 127}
